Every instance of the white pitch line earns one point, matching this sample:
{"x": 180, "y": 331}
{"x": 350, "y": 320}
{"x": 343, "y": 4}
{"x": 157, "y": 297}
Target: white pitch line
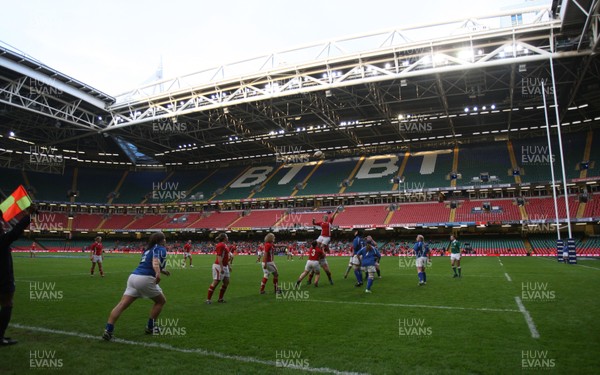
{"x": 500, "y": 262}
{"x": 534, "y": 332}
{"x": 580, "y": 265}
{"x": 408, "y": 305}
{"x": 507, "y": 277}
{"x": 202, "y": 352}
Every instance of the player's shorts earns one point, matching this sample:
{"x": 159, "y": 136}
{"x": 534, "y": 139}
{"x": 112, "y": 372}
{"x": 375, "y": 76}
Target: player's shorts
{"x": 324, "y": 240}
{"x": 142, "y": 286}
{"x": 421, "y": 261}
{"x": 565, "y": 254}
{"x": 323, "y": 262}
{"x": 312, "y": 265}
{"x": 217, "y": 274}
{"x": 271, "y": 268}
{"x": 187, "y": 255}
{"x": 455, "y": 256}
{"x": 354, "y": 261}
{"x": 369, "y": 269}
{"x": 97, "y": 258}
{"x": 259, "y": 253}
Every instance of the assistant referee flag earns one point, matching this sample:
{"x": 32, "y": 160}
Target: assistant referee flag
{"x": 17, "y": 202}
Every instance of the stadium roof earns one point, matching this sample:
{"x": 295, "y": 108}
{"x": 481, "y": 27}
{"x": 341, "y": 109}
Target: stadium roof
{"x": 412, "y": 88}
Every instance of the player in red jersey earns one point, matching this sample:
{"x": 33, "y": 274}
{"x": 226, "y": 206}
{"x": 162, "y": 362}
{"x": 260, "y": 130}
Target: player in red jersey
{"x": 220, "y": 269}
{"x": 325, "y": 225}
{"x": 96, "y": 256}
{"x": 32, "y": 252}
{"x": 312, "y": 264}
{"x": 232, "y": 252}
{"x": 260, "y": 253}
{"x": 187, "y": 253}
{"x": 268, "y": 265}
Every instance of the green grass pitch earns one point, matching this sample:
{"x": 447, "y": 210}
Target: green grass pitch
{"x": 450, "y": 326}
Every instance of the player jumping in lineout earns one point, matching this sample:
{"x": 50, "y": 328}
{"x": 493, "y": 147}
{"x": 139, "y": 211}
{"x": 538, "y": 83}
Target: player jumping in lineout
{"x": 323, "y": 242}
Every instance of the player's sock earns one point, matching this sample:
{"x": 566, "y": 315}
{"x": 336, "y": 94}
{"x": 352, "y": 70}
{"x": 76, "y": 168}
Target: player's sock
{"x": 92, "y": 269}
{"x": 211, "y": 290}
{"x": 369, "y": 284}
{"x": 222, "y": 291}
{"x": 310, "y": 276}
{"x": 100, "y": 269}
{"x": 379, "y": 272}
{"x": 424, "y": 277}
{"x": 5, "y": 313}
{"x": 110, "y": 327}
{"x": 150, "y": 325}
{"x": 275, "y": 280}
{"x": 358, "y": 275}
{"x": 459, "y": 272}
{"x": 347, "y": 272}
{"x": 329, "y": 277}
{"x": 454, "y": 270}
{"x": 262, "y": 284}
{"x": 420, "y": 276}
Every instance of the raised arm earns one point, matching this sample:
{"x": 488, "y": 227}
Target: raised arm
{"x": 17, "y": 230}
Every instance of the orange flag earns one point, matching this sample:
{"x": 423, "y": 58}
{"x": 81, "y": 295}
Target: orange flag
{"x": 17, "y": 202}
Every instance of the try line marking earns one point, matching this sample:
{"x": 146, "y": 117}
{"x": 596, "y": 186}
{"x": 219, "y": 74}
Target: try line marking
{"x": 202, "y": 352}
{"x": 507, "y": 277}
{"x": 534, "y": 332}
{"x": 408, "y": 305}
{"x": 580, "y": 265}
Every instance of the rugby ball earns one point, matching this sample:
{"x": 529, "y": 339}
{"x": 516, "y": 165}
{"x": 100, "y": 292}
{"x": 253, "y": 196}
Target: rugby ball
{"x": 318, "y": 154}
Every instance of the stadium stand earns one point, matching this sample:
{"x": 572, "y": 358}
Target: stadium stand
{"x": 412, "y": 213}
{"x": 11, "y": 179}
{"x": 218, "y": 182}
{"x": 56, "y": 191}
{"x": 137, "y": 185}
{"x": 427, "y": 171}
{"x": 362, "y": 216}
{"x": 250, "y": 180}
{"x": 117, "y": 222}
{"x": 501, "y": 209}
{"x": 146, "y": 222}
{"x": 489, "y": 246}
{"x": 543, "y": 208}
{"x": 284, "y": 181}
{"x": 180, "y": 221}
{"x": 95, "y": 185}
{"x": 375, "y": 173}
{"x": 216, "y": 220}
{"x": 328, "y": 177}
{"x": 259, "y": 219}
{"x": 86, "y": 221}
{"x": 492, "y": 158}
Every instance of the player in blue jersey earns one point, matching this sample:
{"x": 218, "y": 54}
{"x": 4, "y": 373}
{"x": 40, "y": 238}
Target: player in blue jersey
{"x": 143, "y": 283}
{"x": 357, "y": 244}
{"x": 422, "y": 256}
{"x": 368, "y": 256}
